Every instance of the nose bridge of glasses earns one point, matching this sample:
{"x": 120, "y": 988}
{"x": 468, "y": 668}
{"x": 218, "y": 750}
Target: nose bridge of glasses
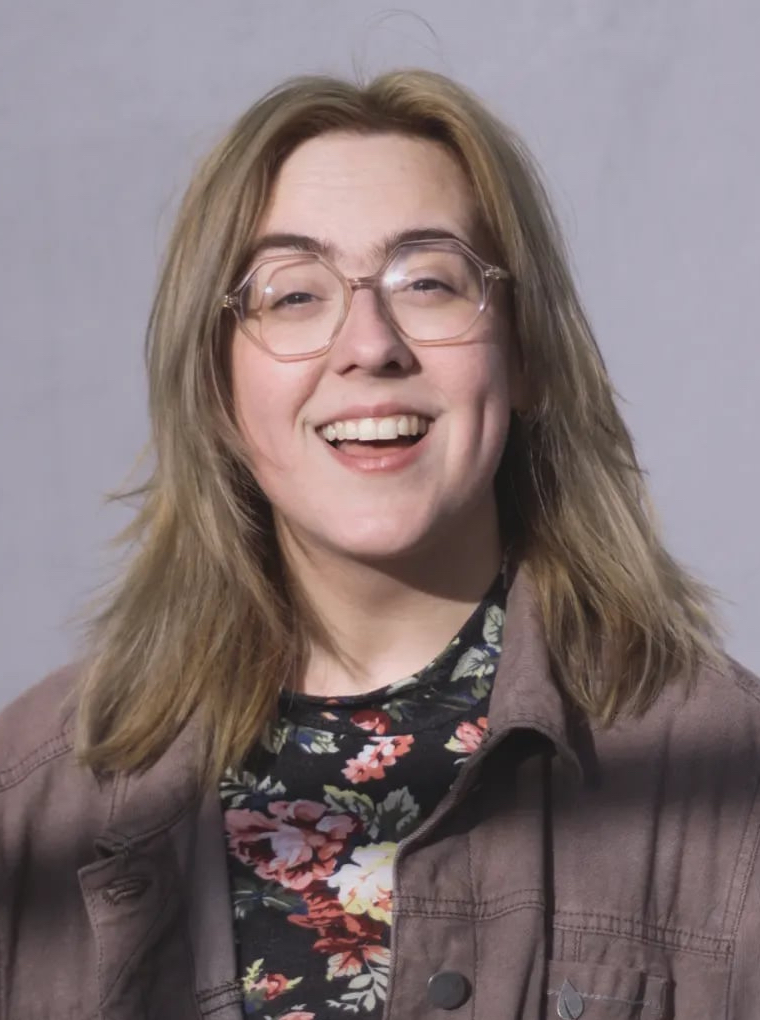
{"x": 372, "y": 283}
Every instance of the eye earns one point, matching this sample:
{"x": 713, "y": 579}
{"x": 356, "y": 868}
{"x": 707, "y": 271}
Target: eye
{"x": 298, "y": 297}
{"x": 428, "y": 283}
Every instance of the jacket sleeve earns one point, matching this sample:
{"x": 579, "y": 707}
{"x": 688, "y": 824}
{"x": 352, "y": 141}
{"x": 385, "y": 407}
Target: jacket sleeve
{"x": 744, "y": 992}
{"x": 49, "y": 811}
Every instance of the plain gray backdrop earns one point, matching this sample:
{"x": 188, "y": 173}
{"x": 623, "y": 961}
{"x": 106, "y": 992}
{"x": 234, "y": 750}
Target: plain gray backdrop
{"x": 643, "y": 115}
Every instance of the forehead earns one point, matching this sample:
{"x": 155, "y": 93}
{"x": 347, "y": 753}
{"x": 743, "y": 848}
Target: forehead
{"x": 350, "y": 191}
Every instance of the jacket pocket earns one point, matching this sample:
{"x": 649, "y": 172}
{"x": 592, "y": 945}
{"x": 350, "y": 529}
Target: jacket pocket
{"x": 580, "y": 991}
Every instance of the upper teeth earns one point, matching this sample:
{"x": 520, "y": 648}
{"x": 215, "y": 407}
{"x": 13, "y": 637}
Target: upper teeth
{"x": 367, "y": 429}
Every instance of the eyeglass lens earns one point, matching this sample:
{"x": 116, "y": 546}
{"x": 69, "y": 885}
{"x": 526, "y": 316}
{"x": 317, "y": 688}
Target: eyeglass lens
{"x": 431, "y": 292}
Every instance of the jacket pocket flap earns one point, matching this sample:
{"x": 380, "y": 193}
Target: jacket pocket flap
{"x": 597, "y": 992}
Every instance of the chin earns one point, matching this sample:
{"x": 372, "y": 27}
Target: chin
{"x": 378, "y": 542}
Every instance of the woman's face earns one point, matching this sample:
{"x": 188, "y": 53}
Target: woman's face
{"x": 370, "y": 501}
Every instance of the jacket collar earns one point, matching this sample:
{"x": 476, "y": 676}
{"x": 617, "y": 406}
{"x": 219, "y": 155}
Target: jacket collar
{"x": 525, "y": 697}
{"x": 146, "y": 804}
{"x": 525, "y": 694}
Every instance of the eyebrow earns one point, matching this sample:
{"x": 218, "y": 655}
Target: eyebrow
{"x": 319, "y": 246}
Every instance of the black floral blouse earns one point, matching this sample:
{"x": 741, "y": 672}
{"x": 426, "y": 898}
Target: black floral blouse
{"x": 314, "y": 819}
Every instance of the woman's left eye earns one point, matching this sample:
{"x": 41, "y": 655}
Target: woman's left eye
{"x": 429, "y": 283}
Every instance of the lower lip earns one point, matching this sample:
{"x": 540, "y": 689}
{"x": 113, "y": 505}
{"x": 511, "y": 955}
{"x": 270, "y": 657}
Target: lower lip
{"x": 393, "y": 460}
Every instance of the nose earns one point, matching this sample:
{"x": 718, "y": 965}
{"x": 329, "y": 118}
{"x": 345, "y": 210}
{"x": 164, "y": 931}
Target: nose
{"x": 368, "y": 340}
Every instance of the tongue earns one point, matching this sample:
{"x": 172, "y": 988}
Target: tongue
{"x": 372, "y": 448}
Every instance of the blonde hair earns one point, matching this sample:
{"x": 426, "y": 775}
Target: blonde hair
{"x": 205, "y": 621}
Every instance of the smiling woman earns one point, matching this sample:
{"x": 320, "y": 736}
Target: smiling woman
{"x": 417, "y": 341}
{"x": 400, "y": 705}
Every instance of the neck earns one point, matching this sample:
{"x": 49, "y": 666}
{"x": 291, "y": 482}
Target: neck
{"x": 387, "y": 620}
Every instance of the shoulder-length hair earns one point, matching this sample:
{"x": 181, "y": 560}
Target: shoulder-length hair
{"x": 205, "y": 620}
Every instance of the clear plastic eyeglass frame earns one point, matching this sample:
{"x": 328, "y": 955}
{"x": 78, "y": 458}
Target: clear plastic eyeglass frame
{"x": 490, "y": 274}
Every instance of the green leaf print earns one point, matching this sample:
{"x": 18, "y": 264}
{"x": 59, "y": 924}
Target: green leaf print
{"x": 396, "y": 816}
{"x": 237, "y": 787}
{"x": 400, "y": 685}
{"x": 368, "y": 989}
{"x": 275, "y": 736}
{"x": 481, "y": 687}
{"x": 315, "y": 741}
{"x": 493, "y": 626}
{"x": 350, "y": 802}
{"x": 476, "y": 662}
{"x": 281, "y": 899}
{"x": 250, "y": 894}
{"x": 395, "y": 709}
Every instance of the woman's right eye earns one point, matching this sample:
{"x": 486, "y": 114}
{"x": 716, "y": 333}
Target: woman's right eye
{"x": 295, "y": 306}
{"x": 293, "y": 300}
{"x": 297, "y": 297}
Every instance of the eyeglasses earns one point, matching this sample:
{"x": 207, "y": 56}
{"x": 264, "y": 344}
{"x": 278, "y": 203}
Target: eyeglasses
{"x": 431, "y": 292}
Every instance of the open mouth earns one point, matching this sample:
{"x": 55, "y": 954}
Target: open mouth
{"x": 374, "y": 447}
{"x": 375, "y": 436}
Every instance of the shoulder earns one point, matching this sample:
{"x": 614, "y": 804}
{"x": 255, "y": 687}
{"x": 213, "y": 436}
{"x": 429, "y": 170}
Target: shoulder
{"x": 699, "y": 735}
{"x": 51, "y": 807}
{"x": 719, "y": 722}
{"x": 725, "y": 698}
{"x": 38, "y": 727}
{"x": 714, "y": 715}
{"x": 745, "y": 685}
{"x": 45, "y": 788}
{"x": 699, "y": 741}
{"x": 719, "y": 695}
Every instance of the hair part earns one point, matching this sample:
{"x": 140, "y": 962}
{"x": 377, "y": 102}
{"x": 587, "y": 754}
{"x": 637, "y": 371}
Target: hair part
{"x": 205, "y": 620}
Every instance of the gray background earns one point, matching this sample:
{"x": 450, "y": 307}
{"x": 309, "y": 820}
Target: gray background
{"x": 644, "y": 116}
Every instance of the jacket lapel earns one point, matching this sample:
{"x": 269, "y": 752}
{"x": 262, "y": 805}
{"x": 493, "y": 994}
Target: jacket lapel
{"x": 158, "y": 899}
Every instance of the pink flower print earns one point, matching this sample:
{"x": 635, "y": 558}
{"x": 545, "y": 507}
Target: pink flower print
{"x": 296, "y": 846}
{"x": 260, "y": 986}
{"x": 354, "y": 961}
{"x": 270, "y": 985}
{"x": 467, "y": 736}
{"x": 338, "y": 930}
{"x": 373, "y": 720}
{"x": 375, "y": 757}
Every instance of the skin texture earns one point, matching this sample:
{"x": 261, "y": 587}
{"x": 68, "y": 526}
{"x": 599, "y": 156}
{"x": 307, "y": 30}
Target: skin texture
{"x": 394, "y": 561}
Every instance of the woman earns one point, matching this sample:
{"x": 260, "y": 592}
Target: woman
{"x": 277, "y": 786}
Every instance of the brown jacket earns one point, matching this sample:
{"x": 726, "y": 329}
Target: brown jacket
{"x": 571, "y": 872}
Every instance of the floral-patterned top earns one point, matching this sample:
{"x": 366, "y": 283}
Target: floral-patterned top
{"x": 314, "y": 819}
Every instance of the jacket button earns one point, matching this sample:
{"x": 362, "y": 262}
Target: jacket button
{"x": 448, "y": 989}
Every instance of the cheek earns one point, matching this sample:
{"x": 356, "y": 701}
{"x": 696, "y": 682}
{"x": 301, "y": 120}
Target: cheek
{"x": 478, "y": 380}
{"x": 267, "y": 396}
{"x": 497, "y": 378}
{"x": 248, "y": 393}
{"x": 480, "y": 390}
